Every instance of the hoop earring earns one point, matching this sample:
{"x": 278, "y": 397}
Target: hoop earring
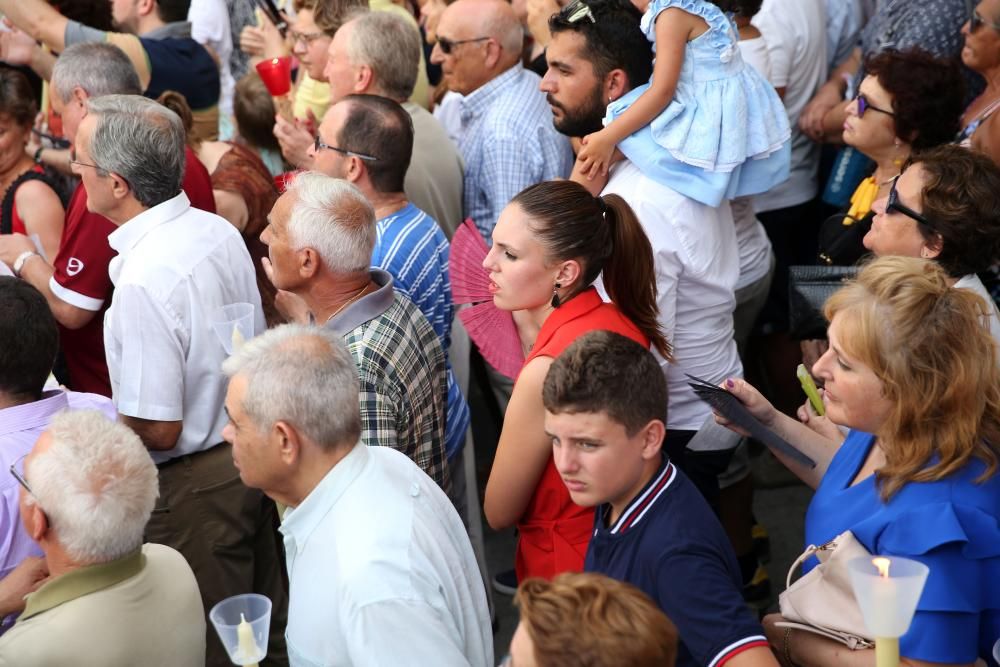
{"x": 555, "y": 296}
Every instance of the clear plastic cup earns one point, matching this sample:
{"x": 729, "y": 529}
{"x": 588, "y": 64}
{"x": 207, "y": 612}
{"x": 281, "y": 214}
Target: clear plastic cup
{"x": 243, "y": 623}
{"x": 233, "y": 324}
{"x": 996, "y": 651}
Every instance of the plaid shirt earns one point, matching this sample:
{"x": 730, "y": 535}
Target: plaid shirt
{"x": 401, "y": 367}
{"x": 410, "y": 245}
{"x": 508, "y": 142}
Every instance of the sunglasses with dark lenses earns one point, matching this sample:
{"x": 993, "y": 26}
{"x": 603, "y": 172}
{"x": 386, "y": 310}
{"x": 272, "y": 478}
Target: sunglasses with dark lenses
{"x": 894, "y": 205}
{"x": 319, "y": 145}
{"x": 977, "y": 20}
{"x": 864, "y": 105}
{"x": 447, "y": 45}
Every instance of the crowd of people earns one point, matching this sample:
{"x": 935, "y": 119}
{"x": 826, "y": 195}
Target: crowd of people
{"x": 255, "y": 259}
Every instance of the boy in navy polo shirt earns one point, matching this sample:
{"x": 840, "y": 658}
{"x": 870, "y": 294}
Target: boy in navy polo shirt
{"x": 605, "y": 409}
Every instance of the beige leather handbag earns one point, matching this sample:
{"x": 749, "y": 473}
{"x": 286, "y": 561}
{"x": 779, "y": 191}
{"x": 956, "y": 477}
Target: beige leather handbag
{"x": 822, "y": 601}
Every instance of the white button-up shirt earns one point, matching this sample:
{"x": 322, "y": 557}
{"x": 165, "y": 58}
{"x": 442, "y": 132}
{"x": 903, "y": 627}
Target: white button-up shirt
{"x": 381, "y": 571}
{"x": 697, "y": 266}
{"x": 176, "y": 267}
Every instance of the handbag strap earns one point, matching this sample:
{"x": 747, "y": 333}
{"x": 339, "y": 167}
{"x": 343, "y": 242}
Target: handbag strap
{"x": 810, "y": 550}
{"x": 852, "y": 642}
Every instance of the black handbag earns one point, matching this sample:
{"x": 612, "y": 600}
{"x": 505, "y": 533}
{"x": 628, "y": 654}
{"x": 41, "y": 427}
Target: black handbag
{"x": 841, "y": 239}
{"x": 808, "y": 289}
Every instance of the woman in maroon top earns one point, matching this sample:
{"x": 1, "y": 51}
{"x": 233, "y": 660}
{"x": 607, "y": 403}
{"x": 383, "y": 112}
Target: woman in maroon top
{"x": 549, "y": 246}
{"x": 29, "y": 204}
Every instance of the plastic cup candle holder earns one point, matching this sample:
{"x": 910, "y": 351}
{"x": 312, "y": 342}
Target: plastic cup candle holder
{"x": 233, "y": 325}
{"x": 887, "y": 589}
{"x": 243, "y": 623}
{"x": 276, "y": 73}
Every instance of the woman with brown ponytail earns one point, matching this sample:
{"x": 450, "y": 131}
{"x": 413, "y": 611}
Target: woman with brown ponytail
{"x": 549, "y": 246}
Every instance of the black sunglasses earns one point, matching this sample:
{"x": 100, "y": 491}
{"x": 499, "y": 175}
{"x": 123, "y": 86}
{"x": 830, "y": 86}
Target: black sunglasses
{"x": 894, "y": 205}
{"x": 447, "y": 45}
{"x": 864, "y": 105}
{"x": 319, "y": 145}
{"x": 976, "y": 21}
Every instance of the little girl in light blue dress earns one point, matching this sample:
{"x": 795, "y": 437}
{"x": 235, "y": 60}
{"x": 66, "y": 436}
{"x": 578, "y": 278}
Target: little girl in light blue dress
{"x": 706, "y": 124}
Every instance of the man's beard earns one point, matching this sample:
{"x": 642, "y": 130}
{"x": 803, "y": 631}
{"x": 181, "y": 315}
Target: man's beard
{"x": 585, "y": 119}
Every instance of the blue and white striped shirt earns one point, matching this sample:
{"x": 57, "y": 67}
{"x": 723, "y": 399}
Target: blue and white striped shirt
{"x": 508, "y": 142}
{"x": 412, "y": 248}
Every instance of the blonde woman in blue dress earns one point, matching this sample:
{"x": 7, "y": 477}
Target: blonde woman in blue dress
{"x": 706, "y": 124}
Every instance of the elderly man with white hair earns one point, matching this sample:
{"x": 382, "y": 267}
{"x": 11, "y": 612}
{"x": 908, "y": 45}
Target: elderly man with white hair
{"x": 320, "y": 237}
{"x": 380, "y": 569}
{"x": 507, "y": 138}
{"x": 88, "y": 489}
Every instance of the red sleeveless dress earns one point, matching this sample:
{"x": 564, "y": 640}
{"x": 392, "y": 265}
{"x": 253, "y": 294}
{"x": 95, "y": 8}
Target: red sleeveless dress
{"x": 554, "y": 532}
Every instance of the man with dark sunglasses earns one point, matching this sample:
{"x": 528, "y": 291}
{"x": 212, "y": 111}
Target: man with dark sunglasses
{"x": 507, "y": 138}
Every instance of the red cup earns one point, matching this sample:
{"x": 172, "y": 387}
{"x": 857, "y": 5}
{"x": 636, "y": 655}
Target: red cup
{"x": 277, "y": 75}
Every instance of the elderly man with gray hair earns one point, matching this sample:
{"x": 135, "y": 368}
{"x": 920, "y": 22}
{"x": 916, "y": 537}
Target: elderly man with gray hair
{"x": 75, "y": 282}
{"x": 88, "y": 489}
{"x": 320, "y": 237}
{"x": 380, "y": 569}
{"x": 506, "y": 137}
{"x": 177, "y": 269}
{"x": 378, "y": 53}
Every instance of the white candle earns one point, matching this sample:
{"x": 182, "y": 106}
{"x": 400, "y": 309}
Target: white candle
{"x": 237, "y": 339}
{"x": 884, "y": 603}
{"x": 247, "y": 647}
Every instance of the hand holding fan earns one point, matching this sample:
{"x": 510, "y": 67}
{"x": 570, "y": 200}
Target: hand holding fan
{"x": 491, "y": 329}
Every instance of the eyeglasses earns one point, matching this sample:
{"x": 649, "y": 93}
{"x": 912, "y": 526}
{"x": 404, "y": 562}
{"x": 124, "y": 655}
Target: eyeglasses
{"x": 319, "y": 145}
{"x": 18, "y": 476}
{"x": 894, "y": 205}
{"x": 447, "y": 45}
{"x": 577, "y": 11}
{"x": 305, "y": 37}
{"x": 976, "y": 21}
{"x": 73, "y": 160}
{"x": 864, "y": 105}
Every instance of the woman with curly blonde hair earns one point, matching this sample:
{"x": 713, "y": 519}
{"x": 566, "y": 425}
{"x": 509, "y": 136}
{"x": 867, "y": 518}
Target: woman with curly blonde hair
{"x": 589, "y": 620}
{"x": 913, "y": 373}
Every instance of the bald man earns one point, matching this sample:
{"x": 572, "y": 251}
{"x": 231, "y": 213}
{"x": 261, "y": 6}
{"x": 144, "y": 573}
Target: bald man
{"x": 507, "y": 138}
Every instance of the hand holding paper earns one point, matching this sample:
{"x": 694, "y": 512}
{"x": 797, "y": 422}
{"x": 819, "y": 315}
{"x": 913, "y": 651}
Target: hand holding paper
{"x": 738, "y": 418}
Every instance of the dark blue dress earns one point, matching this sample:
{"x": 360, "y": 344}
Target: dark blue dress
{"x": 952, "y": 526}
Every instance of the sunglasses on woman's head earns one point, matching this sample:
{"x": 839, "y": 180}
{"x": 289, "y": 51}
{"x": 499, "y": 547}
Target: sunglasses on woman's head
{"x": 977, "y": 20}
{"x": 894, "y": 205}
{"x": 864, "y": 105}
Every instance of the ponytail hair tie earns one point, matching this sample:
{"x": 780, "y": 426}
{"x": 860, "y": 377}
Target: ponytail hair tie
{"x": 601, "y": 204}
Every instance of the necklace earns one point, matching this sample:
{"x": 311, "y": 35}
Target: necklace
{"x": 349, "y": 302}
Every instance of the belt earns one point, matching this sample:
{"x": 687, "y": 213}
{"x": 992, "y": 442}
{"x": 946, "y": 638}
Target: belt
{"x": 188, "y": 459}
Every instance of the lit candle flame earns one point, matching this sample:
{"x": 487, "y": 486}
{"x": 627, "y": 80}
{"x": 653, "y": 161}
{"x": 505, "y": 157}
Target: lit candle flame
{"x": 883, "y": 566}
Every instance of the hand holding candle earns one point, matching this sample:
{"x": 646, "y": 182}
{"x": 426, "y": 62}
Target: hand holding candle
{"x": 276, "y": 73}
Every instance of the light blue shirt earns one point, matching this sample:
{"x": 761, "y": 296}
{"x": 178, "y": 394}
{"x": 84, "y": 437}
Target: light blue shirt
{"x": 843, "y": 30}
{"x": 412, "y": 248}
{"x": 381, "y": 571}
{"x": 508, "y": 142}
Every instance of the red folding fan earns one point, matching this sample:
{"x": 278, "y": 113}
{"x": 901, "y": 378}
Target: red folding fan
{"x": 491, "y": 329}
